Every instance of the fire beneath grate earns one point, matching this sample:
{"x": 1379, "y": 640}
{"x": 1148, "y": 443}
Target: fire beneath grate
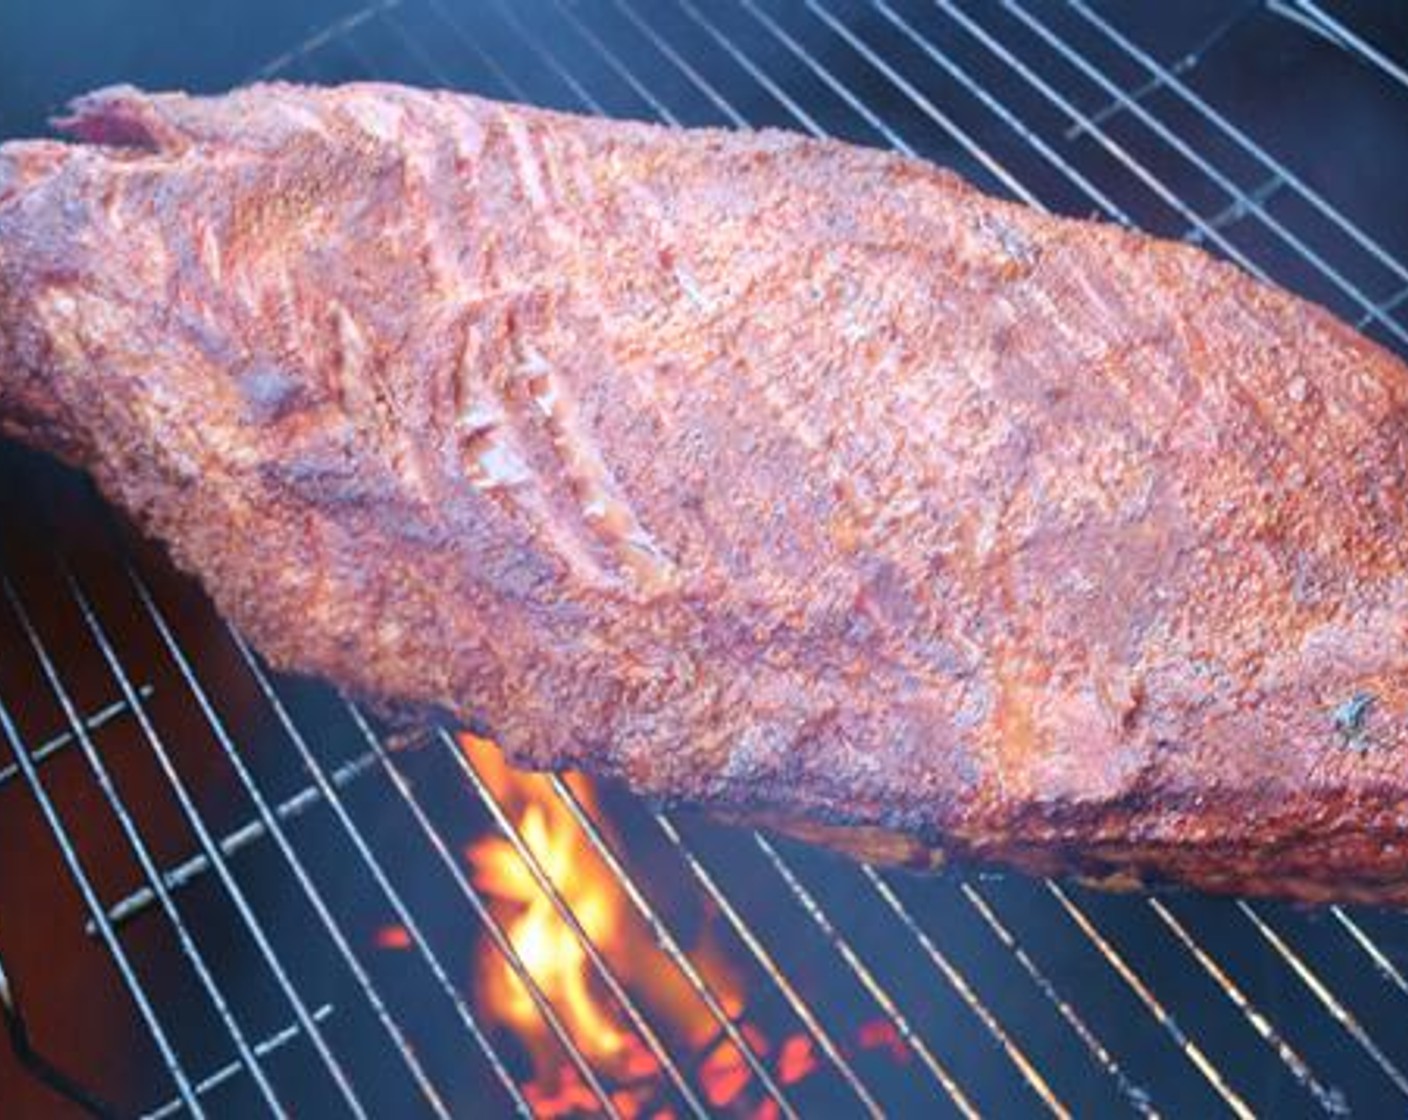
{"x": 703, "y": 1008}
{"x": 224, "y": 892}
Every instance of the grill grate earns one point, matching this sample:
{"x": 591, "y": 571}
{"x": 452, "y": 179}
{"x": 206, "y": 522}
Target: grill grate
{"x": 228, "y": 834}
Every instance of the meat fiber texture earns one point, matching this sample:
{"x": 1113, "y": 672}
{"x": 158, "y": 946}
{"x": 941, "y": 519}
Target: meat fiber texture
{"x": 794, "y": 480}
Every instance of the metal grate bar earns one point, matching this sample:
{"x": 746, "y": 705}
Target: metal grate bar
{"x": 1183, "y": 149}
{"x": 1247, "y": 144}
{"x": 668, "y": 943}
{"x": 271, "y": 822}
{"x": 995, "y": 106}
{"x": 322, "y": 38}
{"x": 178, "y": 876}
{"x": 1388, "y": 306}
{"x": 1137, "y": 1096}
{"x": 210, "y": 850}
{"x": 959, "y": 983}
{"x": 613, "y": 60}
{"x": 1381, "y": 961}
{"x": 858, "y": 105}
{"x": 1314, "y": 18}
{"x": 505, "y": 12}
{"x": 748, "y": 66}
{"x": 924, "y": 104}
{"x": 1239, "y": 208}
{"x": 185, "y": 1090}
{"x": 682, "y": 65}
{"x": 1190, "y": 1049}
{"x": 1138, "y": 93}
{"x": 139, "y": 849}
{"x": 481, "y": 56}
{"x": 868, "y": 981}
{"x": 212, "y": 1081}
{"x": 1338, "y": 1011}
{"x": 96, "y": 722}
{"x": 1182, "y": 65}
{"x": 1330, "y": 1099}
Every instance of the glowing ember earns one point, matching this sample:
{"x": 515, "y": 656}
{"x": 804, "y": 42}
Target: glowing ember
{"x": 796, "y": 1059}
{"x": 638, "y": 1062}
{"x": 571, "y": 1095}
{"x": 724, "y": 1075}
{"x": 880, "y": 1034}
{"x": 393, "y": 937}
{"x": 627, "y": 1104}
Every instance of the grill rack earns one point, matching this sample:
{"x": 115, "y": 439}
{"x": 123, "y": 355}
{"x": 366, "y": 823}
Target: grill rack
{"x": 807, "y": 37}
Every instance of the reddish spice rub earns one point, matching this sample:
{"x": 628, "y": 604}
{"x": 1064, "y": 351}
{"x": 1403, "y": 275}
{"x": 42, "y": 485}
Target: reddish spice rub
{"x": 794, "y": 480}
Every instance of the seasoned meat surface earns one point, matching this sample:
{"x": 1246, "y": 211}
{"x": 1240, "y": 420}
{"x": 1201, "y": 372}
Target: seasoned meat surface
{"x": 794, "y": 480}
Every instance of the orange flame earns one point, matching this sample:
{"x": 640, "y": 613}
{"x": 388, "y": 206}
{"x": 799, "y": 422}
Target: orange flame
{"x": 547, "y": 946}
{"x": 553, "y": 955}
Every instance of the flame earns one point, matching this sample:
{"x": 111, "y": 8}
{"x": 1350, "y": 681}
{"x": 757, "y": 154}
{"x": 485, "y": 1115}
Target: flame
{"x": 553, "y": 955}
{"x": 545, "y": 943}
{"x": 550, "y": 950}
{"x": 724, "y": 1073}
